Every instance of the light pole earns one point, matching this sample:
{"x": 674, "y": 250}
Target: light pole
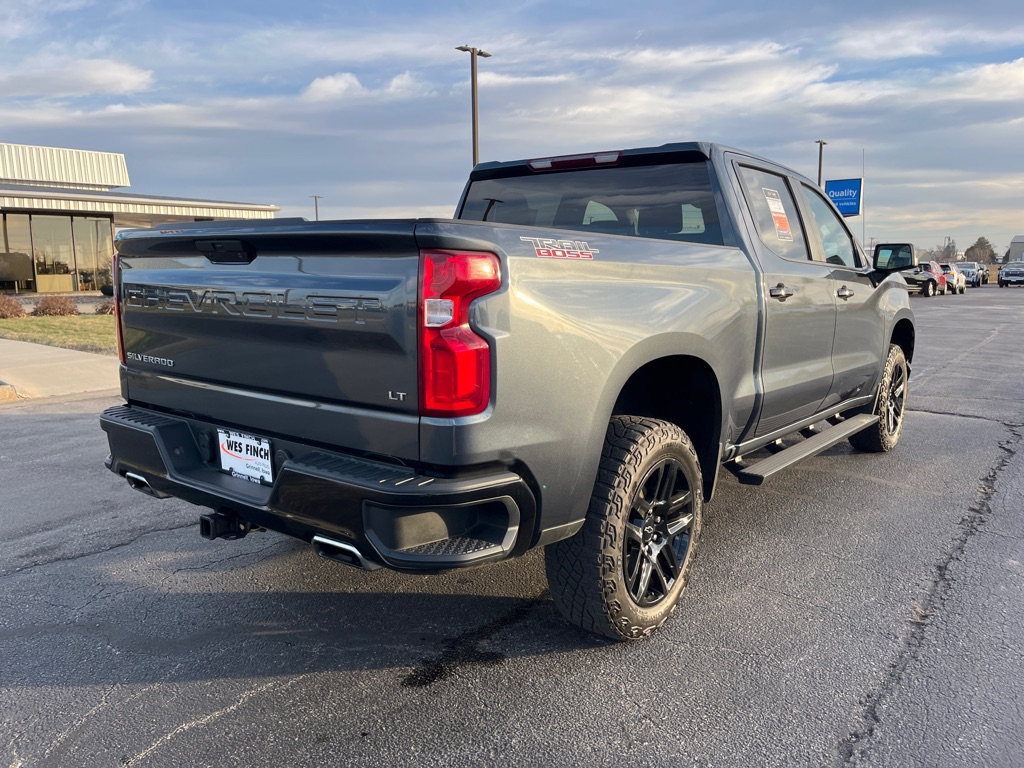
{"x": 316, "y": 206}
{"x": 473, "y": 53}
{"x": 821, "y": 155}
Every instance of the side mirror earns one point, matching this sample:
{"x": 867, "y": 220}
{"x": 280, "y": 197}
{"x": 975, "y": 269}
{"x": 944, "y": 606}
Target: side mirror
{"x": 894, "y": 257}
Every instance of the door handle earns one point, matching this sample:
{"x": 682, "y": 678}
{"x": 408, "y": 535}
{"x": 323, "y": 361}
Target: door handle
{"x": 780, "y": 292}
{"x": 844, "y": 293}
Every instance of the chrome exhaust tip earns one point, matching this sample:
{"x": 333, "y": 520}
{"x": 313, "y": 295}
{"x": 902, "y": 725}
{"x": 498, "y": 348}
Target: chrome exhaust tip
{"x": 139, "y": 483}
{"x": 342, "y": 552}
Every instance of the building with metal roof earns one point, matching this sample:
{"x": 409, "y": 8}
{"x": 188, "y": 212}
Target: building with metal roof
{"x": 60, "y": 207}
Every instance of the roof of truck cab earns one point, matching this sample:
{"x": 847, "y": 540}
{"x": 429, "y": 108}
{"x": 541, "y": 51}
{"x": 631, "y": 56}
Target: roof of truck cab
{"x": 688, "y": 147}
{"x": 675, "y": 151}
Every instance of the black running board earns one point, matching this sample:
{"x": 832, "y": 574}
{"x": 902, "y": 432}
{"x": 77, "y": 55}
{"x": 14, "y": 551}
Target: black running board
{"x": 755, "y": 474}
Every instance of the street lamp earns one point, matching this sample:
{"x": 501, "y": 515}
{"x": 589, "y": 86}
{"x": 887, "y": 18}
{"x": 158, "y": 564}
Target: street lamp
{"x": 473, "y": 53}
{"x": 821, "y": 153}
{"x": 316, "y": 206}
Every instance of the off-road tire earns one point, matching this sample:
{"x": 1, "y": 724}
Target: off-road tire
{"x": 623, "y": 573}
{"x": 891, "y": 406}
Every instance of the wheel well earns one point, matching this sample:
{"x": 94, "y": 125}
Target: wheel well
{"x": 903, "y": 335}
{"x": 684, "y": 391}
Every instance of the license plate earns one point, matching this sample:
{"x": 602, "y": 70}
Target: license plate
{"x": 243, "y": 455}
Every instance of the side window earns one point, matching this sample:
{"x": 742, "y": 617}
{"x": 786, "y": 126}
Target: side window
{"x": 774, "y": 211}
{"x": 835, "y": 238}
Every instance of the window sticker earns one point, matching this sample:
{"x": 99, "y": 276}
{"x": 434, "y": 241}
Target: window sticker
{"x": 782, "y": 229}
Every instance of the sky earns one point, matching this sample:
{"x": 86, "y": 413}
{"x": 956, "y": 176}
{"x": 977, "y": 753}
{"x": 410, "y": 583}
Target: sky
{"x": 367, "y": 104}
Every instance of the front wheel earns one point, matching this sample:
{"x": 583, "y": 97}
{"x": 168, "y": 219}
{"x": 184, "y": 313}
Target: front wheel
{"x": 890, "y": 406}
{"x": 623, "y": 573}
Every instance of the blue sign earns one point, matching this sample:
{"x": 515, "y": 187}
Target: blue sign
{"x": 845, "y": 195}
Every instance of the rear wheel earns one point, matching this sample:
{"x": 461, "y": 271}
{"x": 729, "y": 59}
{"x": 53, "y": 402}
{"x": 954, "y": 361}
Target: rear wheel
{"x": 890, "y": 406}
{"x": 928, "y": 289}
{"x": 623, "y": 573}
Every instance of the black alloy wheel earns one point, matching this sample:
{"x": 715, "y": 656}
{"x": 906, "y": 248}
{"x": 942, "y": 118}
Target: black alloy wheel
{"x": 891, "y": 406}
{"x": 658, "y": 533}
{"x": 623, "y": 573}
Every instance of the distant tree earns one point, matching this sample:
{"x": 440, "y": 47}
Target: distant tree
{"x": 982, "y": 251}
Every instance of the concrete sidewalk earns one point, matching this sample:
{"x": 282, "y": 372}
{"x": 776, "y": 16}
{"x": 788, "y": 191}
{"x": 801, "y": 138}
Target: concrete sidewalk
{"x": 35, "y": 370}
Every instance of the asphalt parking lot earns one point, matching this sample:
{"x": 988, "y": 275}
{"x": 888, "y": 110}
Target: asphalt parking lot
{"x": 859, "y": 610}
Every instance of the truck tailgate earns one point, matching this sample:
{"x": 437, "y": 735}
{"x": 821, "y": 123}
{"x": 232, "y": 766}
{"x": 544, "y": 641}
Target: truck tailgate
{"x": 262, "y": 328}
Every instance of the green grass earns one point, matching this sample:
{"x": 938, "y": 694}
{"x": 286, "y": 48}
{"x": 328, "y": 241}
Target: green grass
{"x": 88, "y": 333}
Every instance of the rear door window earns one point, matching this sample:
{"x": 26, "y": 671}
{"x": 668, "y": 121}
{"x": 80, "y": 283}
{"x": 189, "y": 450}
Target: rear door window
{"x": 774, "y": 212}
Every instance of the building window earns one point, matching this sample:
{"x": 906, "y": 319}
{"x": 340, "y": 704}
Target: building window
{"x": 54, "y": 253}
{"x": 51, "y": 238}
{"x": 94, "y": 249}
{"x": 16, "y": 256}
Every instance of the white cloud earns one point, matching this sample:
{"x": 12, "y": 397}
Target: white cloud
{"x": 990, "y": 82}
{"x": 700, "y": 58}
{"x": 498, "y": 80}
{"x": 76, "y": 78}
{"x": 406, "y": 84}
{"x": 906, "y": 39}
{"x": 334, "y": 87}
{"x": 345, "y": 85}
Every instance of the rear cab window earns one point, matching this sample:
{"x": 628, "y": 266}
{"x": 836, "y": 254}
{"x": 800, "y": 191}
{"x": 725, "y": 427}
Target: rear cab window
{"x": 667, "y": 201}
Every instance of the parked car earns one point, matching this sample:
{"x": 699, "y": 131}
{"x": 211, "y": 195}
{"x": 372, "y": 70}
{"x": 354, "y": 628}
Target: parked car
{"x": 983, "y": 273}
{"x": 1011, "y": 273}
{"x": 955, "y": 280}
{"x": 972, "y": 273}
{"x": 928, "y": 279}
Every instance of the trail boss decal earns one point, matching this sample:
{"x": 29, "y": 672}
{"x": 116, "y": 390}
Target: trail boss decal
{"x": 561, "y": 249}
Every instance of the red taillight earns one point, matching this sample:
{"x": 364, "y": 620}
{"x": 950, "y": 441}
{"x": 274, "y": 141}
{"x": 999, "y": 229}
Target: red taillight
{"x": 455, "y": 363}
{"x": 116, "y": 278}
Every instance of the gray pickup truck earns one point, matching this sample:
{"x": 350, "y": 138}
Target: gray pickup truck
{"x": 566, "y": 364}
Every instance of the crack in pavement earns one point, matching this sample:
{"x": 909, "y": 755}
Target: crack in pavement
{"x": 89, "y": 553}
{"x": 464, "y": 649}
{"x": 857, "y": 743}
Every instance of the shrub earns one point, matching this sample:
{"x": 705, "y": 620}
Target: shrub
{"x": 10, "y": 307}
{"x": 55, "y": 306}
{"x": 105, "y": 308}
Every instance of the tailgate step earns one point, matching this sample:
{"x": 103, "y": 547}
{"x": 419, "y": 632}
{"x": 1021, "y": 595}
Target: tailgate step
{"x": 755, "y": 474}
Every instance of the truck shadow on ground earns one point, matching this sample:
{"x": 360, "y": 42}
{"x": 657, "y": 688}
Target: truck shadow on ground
{"x": 172, "y": 614}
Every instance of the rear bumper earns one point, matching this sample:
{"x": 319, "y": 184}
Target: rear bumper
{"x": 391, "y": 515}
